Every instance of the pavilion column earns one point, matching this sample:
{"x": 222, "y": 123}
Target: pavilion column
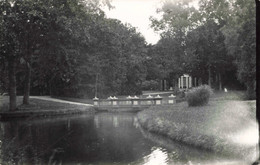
{"x": 190, "y": 82}
{"x": 187, "y": 82}
{"x": 179, "y": 83}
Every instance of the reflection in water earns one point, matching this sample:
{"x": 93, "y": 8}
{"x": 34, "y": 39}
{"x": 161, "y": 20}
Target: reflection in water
{"x": 135, "y": 123}
{"x": 96, "y": 120}
{"x": 115, "y": 121}
{"x": 68, "y": 124}
{"x": 158, "y": 156}
{"x": 247, "y": 136}
{"x": 104, "y": 138}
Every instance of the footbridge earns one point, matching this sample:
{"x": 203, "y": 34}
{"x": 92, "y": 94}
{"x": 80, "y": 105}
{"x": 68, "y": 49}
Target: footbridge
{"x": 131, "y": 103}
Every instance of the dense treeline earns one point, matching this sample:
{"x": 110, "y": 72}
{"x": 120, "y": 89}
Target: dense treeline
{"x": 215, "y": 42}
{"x": 69, "y": 48}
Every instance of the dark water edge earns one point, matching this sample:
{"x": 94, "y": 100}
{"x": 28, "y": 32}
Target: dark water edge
{"x": 102, "y": 138}
{"x": 181, "y": 153}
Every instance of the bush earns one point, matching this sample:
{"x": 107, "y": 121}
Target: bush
{"x": 199, "y": 96}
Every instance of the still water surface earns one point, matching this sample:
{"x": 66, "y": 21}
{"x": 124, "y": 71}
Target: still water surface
{"x": 103, "y": 138}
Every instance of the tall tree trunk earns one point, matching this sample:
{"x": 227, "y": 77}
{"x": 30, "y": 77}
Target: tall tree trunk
{"x": 209, "y": 78}
{"x": 165, "y": 85}
{"x": 220, "y": 82}
{"x": 12, "y": 84}
{"x": 49, "y": 87}
{"x": 96, "y": 86}
{"x": 27, "y": 80}
{"x": 27, "y": 84}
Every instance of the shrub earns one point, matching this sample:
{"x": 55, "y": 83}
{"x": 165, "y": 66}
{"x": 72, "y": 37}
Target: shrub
{"x": 199, "y": 96}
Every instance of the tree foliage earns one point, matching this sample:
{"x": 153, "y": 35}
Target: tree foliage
{"x": 213, "y": 42}
{"x": 241, "y": 42}
{"x": 68, "y": 48}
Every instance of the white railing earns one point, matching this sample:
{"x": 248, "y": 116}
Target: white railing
{"x": 134, "y": 101}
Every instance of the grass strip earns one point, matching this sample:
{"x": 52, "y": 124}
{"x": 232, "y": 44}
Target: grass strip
{"x": 209, "y": 127}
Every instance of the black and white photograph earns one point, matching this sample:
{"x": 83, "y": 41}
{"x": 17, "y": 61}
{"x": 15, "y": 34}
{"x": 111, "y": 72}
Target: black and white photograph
{"x": 129, "y": 82}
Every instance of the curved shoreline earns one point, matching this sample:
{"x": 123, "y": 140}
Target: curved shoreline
{"x": 179, "y": 124}
{"x": 185, "y": 154}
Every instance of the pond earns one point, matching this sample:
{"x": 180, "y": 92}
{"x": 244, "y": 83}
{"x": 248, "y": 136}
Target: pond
{"x": 103, "y": 138}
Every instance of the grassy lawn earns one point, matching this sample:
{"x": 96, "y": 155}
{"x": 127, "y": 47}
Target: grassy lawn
{"x": 230, "y": 95}
{"x": 212, "y": 127}
{"x": 37, "y": 104}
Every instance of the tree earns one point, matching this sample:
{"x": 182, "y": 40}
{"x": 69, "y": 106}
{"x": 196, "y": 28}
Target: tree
{"x": 102, "y": 48}
{"x": 218, "y": 11}
{"x": 9, "y": 47}
{"x": 240, "y": 42}
{"x": 209, "y": 38}
{"x": 117, "y": 57}
{"x": 177, "y": 19}
{"x": 169, "y": 57}
{"x": 28, "y": 28}
{"x": 205, "y": 51}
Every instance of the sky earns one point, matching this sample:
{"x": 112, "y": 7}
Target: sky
{"x": 136, "y": 13}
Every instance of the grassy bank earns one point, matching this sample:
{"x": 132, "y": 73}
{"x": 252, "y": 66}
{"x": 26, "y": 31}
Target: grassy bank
{"x": 39, "y": 107}
{"x": 211, "y": 127}
{"x": 37, "y": 104}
